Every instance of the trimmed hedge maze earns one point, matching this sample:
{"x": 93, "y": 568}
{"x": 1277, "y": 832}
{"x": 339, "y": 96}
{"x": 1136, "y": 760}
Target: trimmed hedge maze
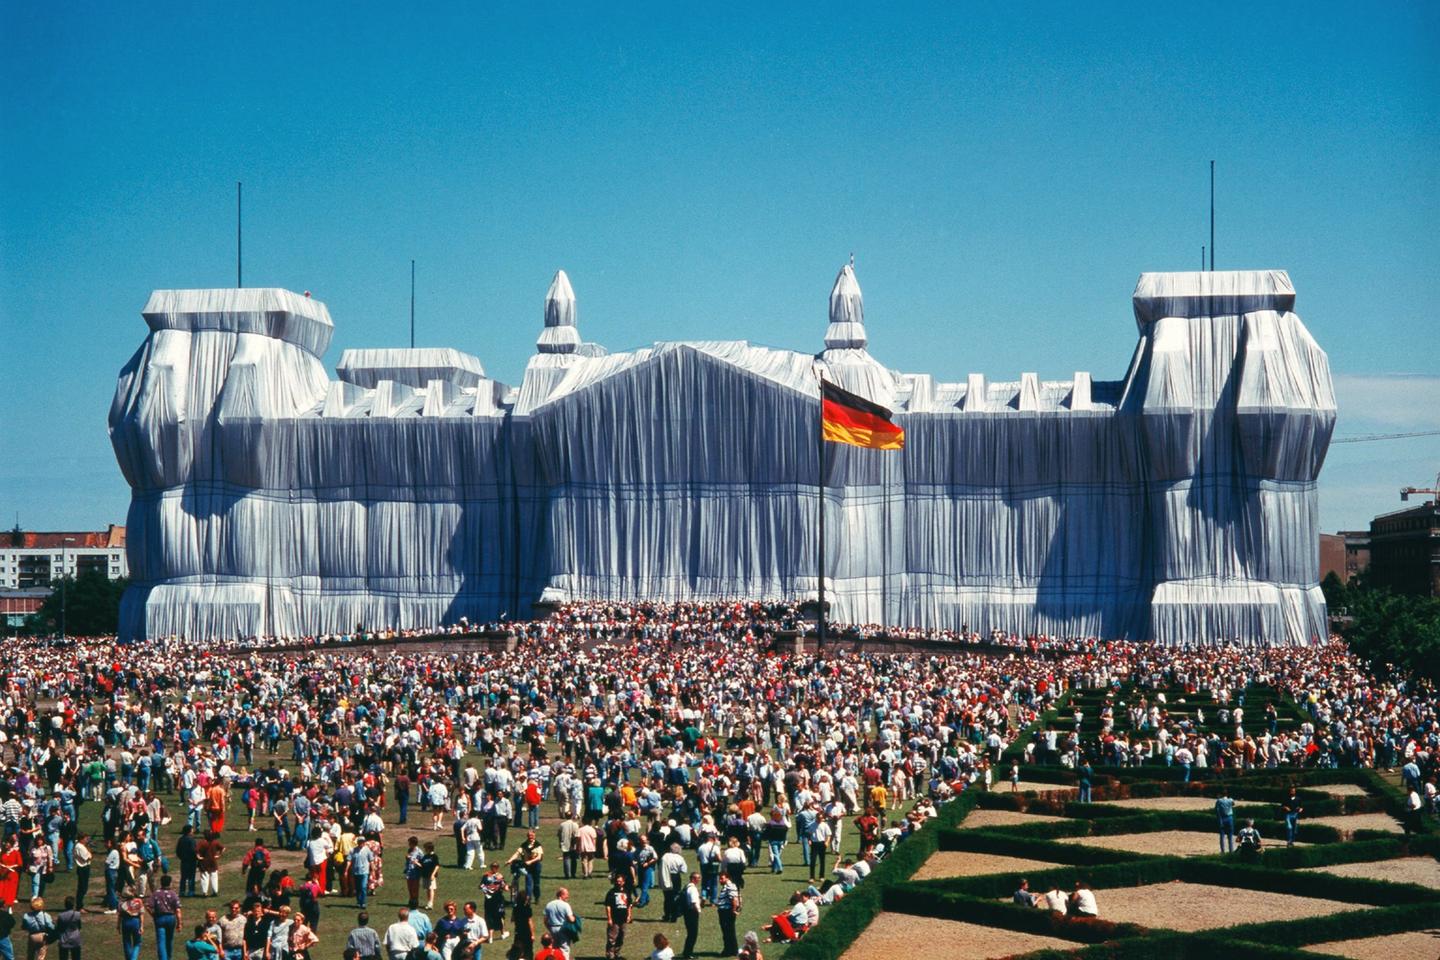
{"x": 1372, "y": 907}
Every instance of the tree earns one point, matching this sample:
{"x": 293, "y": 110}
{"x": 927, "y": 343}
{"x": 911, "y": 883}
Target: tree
{"x": 91, "y": 606}
{"x": 1335, "y": 593}
{"x": 1396, "y": 631}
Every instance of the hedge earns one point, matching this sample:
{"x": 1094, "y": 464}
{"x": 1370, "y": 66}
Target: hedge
{"x": 845, "y": 920}
{"x": 1153, "y": 870}
{"x": 1009, "y": 845}
{"x": 1097, "y": 821}
{"x": 984, "y": 899}
{"x": 1350, "y": 925}
{"x": 1009, "y": 916}
{"x": 1177, "y": 946}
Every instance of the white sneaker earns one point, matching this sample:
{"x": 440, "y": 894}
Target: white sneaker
{"x": 505, "y": 935}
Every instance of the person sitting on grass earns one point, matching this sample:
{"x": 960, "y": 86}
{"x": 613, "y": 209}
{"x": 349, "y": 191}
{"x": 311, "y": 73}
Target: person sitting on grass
{"x": 1024, "y": 897}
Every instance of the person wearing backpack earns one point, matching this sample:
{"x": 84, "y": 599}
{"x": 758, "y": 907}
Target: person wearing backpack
{"x": 256, "y": 863}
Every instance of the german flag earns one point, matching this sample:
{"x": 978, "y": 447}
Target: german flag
{"x": 846, "y": 418}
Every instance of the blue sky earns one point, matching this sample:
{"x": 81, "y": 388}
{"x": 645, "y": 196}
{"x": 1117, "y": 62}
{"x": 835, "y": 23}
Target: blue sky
{"x": 1002, "y": 178}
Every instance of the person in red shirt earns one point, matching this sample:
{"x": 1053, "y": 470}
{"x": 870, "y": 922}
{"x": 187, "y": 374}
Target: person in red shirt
{"x": 548, "y": 950}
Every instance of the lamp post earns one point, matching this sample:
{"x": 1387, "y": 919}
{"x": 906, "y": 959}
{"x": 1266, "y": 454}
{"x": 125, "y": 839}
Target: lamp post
{"x": 64, "y": 558}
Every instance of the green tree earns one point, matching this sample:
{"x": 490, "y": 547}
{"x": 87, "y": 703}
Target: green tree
{"x": 1396, "y": 631}
{"x": 91, "y": 606}
{"x": 1335, "y": 593}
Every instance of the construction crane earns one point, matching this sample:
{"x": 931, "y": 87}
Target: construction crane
{"x": 1434, "y": 491}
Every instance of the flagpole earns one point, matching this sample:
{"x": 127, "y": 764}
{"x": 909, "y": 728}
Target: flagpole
{"x": 820, "y": 502}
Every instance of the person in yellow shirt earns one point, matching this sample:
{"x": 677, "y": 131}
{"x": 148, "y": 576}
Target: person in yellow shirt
{"x": 880, "y": 797}
{"x": 343, "y": 848}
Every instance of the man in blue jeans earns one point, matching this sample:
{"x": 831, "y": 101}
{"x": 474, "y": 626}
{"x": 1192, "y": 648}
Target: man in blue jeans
{"x": 165, "y": 910}
{"x": 1225, "y": 814}
{"x": 1291, "y": 809}
{"x": 360, "y": 860}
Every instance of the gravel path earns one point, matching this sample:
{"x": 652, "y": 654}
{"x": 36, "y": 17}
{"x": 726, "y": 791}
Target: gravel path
{"x": 1344, "y": 790}
{"x": 1200, "y": 906}
{"x": 1417, "y": 944}
{"x": 956, "y": 863}
{"x": 1359, "y": 821}
{"x": 1422, "y": 870}
{"x": 893, "y": 935}
{"x": 1166, "y": 803}
{"x": 1004, "y": 818}
{"x": 1168, "y": 842}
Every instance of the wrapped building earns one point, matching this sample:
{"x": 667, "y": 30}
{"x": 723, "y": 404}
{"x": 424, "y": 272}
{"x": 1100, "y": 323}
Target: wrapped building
{"x": 1177, "y": 504}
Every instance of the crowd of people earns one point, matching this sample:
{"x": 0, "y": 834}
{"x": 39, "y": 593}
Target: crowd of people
{"x": 668, "y": 747}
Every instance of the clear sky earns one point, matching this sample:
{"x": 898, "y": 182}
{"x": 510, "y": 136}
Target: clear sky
{"x": 1002, "y": 178}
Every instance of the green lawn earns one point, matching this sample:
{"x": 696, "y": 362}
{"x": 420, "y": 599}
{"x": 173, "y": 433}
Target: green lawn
{"x": 765, "y": 894}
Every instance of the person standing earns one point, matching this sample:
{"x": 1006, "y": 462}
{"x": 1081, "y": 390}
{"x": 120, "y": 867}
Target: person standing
{"x": 363, "y": 940}
{"x": 402, "y": 795}
{"x": 646, "y": 859}
{"x": 83, "y": 859}
{"x": 280, "y": 931}
{"x": 360, "y": 860}
{"x": 302, "y": 938}
{"x": 232, "y": 932}
{"x": 617, "y": 916}
{"x": 130, "y": 921}
{"x": 7, "y": 926}
{"x": 522, "y": 919}
{"x": 256, "y": 863}
{"x": 1225, "y": 815}
{"x": 525, "y": 864}
{"x": 692, "y": 904}
{"x": 451, "y": 929}
{"x": 67, "y": 930}
{"x": 1291, "y": 809}
{"x": 492, "y": 891}
{"x": 39, "y": 927}
{"x": 1087, "y": 779}
{"x": 672, "y": 883}
{"x": 820, "y": 835}
{"x": 207, "y": 852}
{"x": 400, "y": 937}
{"x": 560, "y": 920}
{"x": 165, "y": 912}
{"x": 727, "y": 906}
{"x": 12, "y": 861}
{"x": 413, "y": 855}
{"x": 569, "y": 853}
{"x": 185, "y": 854}
{"x": 217, "y": 799}
{"x": 112, "y": 876}
{"x": 429, "y": 873}
{"x": 257, "y": 931}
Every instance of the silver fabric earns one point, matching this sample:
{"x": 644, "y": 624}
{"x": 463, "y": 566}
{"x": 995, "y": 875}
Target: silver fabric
{"x": 1177, "y": 504}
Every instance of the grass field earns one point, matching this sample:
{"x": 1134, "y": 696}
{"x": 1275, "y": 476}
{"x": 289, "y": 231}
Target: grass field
{"x": 765, "y": 894}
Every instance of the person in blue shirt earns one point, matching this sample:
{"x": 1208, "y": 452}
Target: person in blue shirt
{"x": 1225, "y": 815}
